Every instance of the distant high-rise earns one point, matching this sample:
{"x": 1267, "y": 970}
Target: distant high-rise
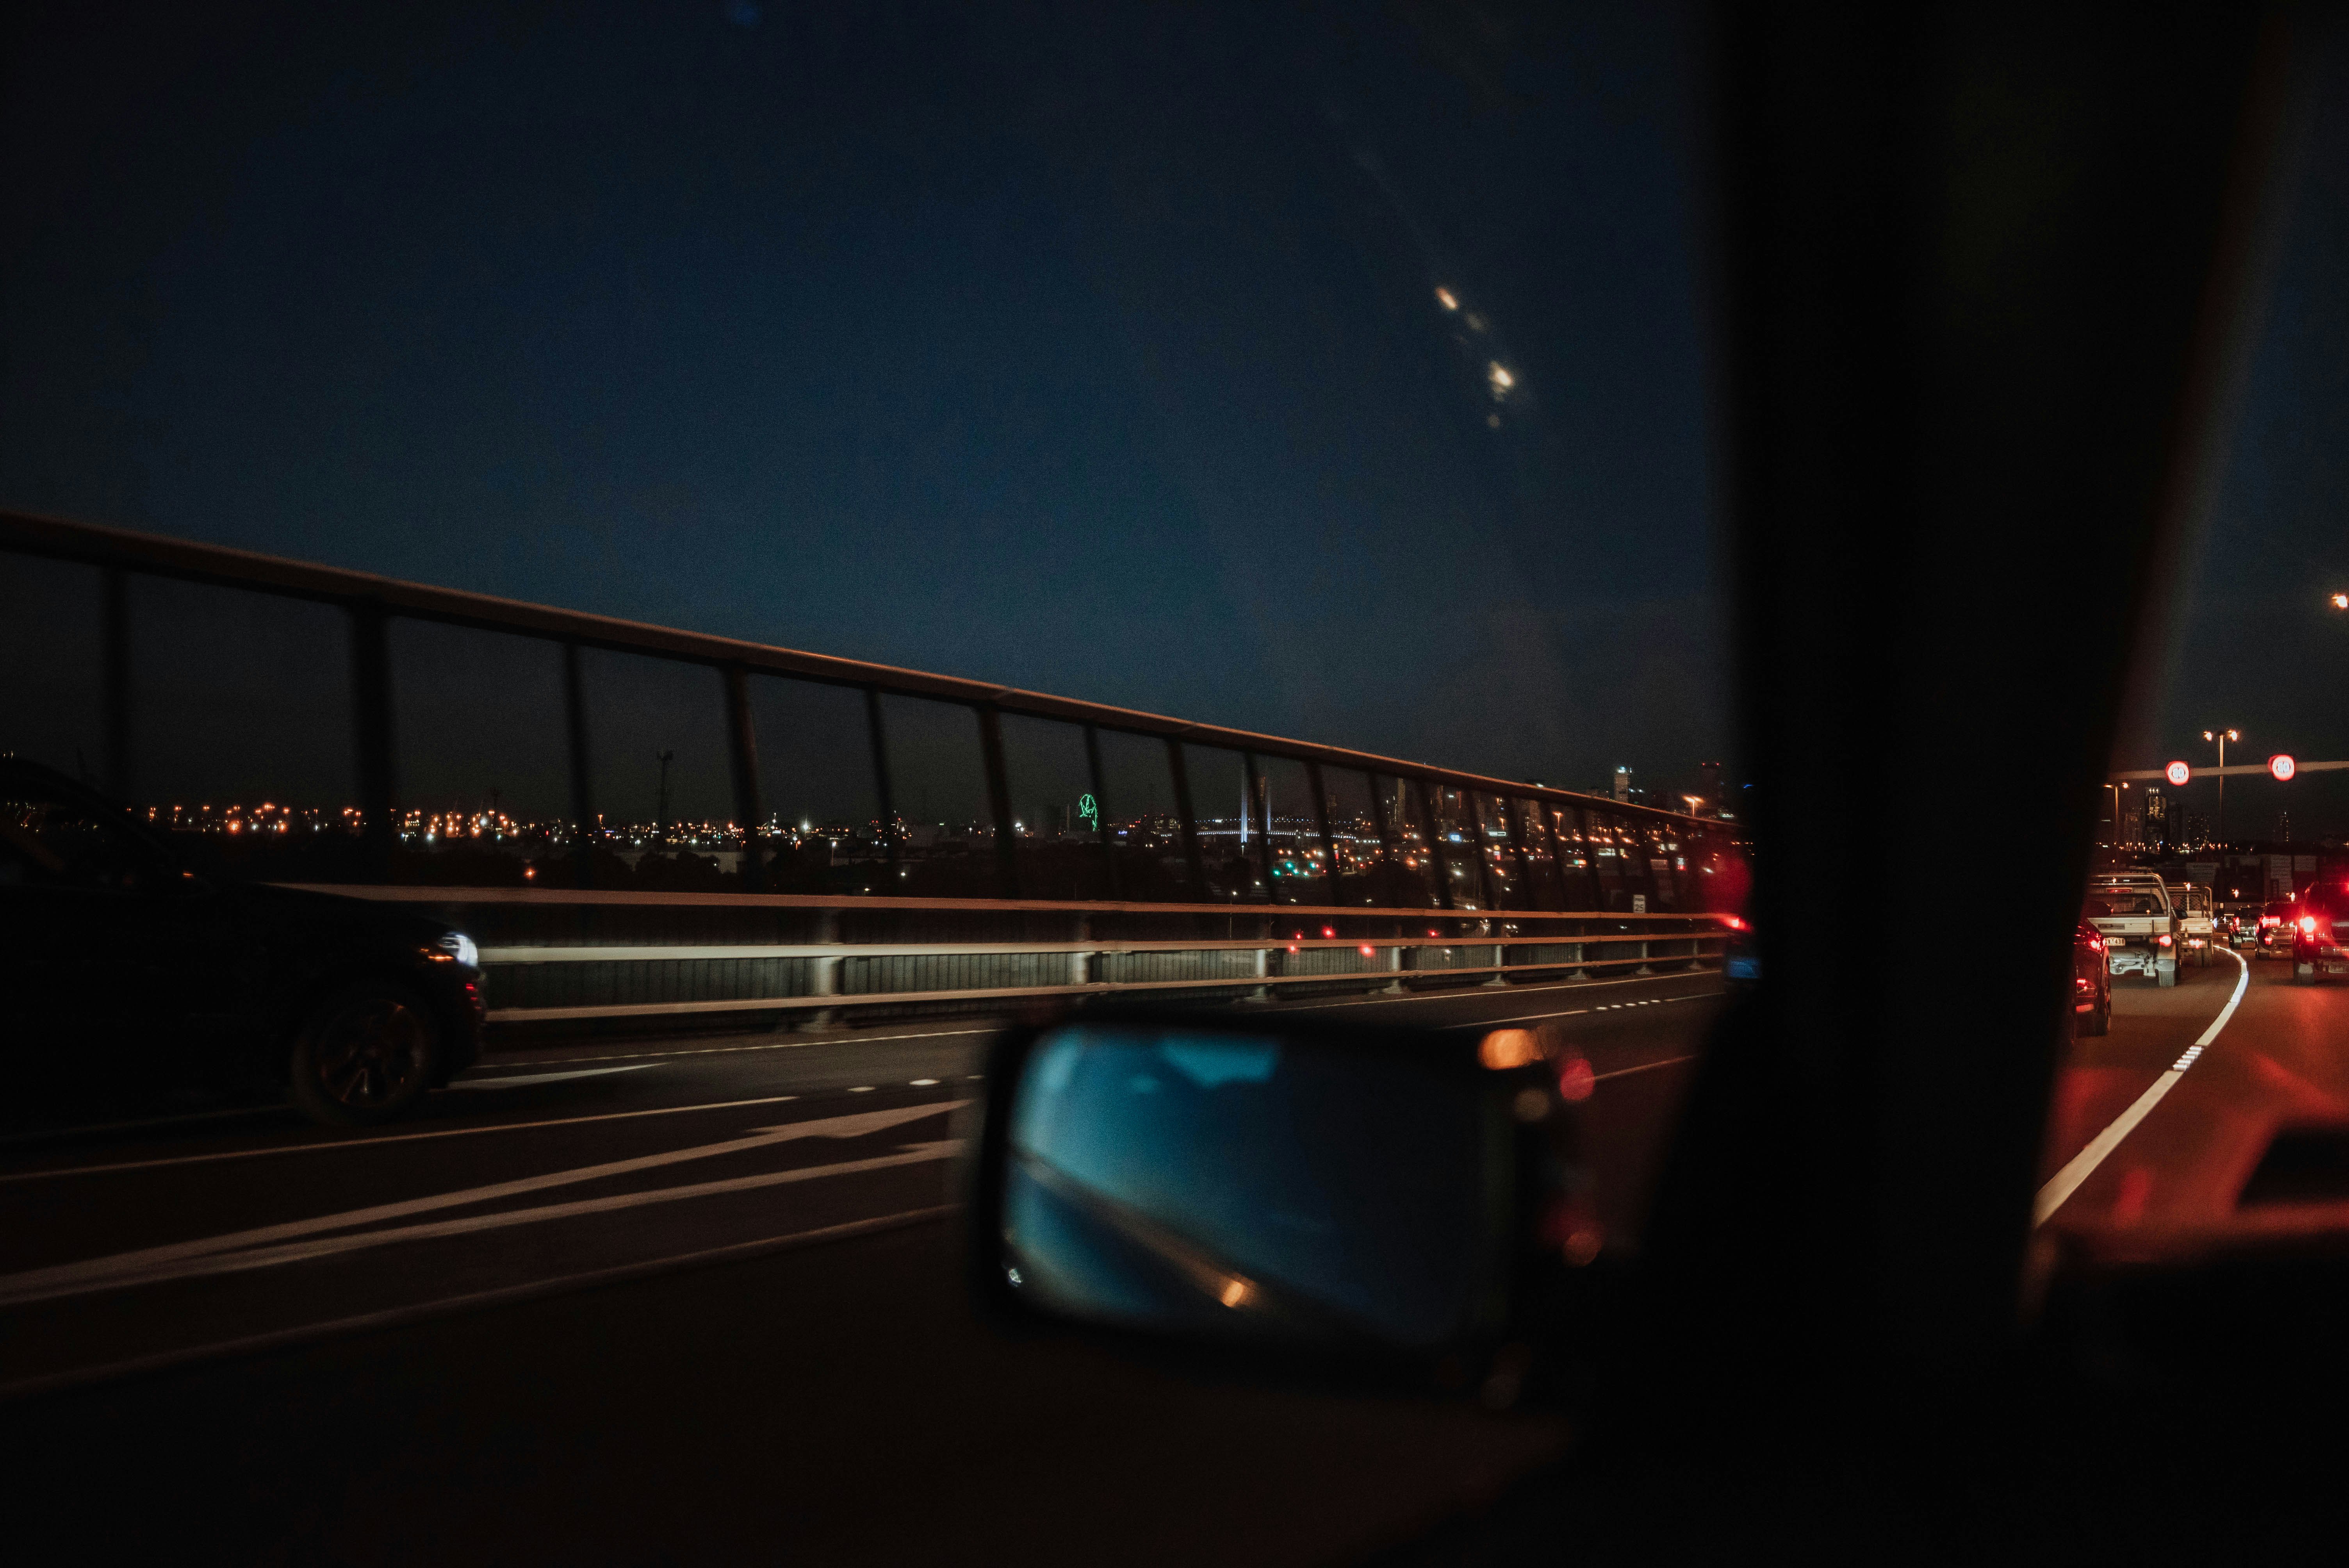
{"x": 1708, "y": 784}
{"x": 2157, "y": 818}
{"x": 1622, "y": 783}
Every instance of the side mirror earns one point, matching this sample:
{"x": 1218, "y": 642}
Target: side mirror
{"x": 1414, "y": 1199}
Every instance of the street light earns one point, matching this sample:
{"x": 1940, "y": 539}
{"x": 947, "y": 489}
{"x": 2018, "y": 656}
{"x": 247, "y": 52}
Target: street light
{"x": 2116, "y": 790}
{"x": 1693, "y": 802}
{"x": 2222, "y": 736}
{"x": 2341, "y": 601}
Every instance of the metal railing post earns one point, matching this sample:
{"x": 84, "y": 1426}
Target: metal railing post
{"x": 1322, "y": 825}
{"x": 1435, "y": 856}
{"x": 887, "y": 801}
{"x": 1259, "y": 800}
{"x": 115, "y": 674}
{"x": 583, "y": 802}
{"x": 826, "y": 979}
{"x": 1192, "y": 859}
{"x": 998, "y": 799}
{"x": 372, "y": 739}
{"x": 742, "y": 751}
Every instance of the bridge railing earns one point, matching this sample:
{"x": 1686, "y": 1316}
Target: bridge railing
{"x": 558, "y": 958}
{"x": 565, "y": 779}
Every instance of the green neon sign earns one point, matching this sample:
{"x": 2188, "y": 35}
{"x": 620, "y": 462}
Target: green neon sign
{"x": 1090, "y": 810}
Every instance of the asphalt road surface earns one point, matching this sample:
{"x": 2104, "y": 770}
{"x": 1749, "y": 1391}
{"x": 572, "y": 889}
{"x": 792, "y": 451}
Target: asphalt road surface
{"x": 2156, "y": 1128}
{"x": 661, "y": 1301}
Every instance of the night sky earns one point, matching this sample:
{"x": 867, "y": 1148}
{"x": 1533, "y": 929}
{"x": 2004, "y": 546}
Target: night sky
{"x": 2255, "y": 645}
{"x": 1096, "y": 354}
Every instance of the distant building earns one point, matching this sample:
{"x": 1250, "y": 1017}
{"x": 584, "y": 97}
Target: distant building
{"x": 1708, "y": 784}
{"x": 2157, "y": 818}
{"x": 1622, "y": 783}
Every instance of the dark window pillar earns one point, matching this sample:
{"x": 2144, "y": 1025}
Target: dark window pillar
{"x": 583, "y": 802}
{"x": 742, "y": 751}
{"x": 372, "y": 739}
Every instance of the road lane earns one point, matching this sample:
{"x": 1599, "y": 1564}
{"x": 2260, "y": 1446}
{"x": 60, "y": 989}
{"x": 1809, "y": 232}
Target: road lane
{"x": 2080, "y": 1166}
{"x": 156, "y": 1239}
{"x": 2279, "y": 1062}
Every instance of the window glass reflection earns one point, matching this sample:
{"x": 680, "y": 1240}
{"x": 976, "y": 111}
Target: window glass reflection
{"x": 823, "y": 831}
{"x": 1459, "y": 845}
{"x": 939, "y": 840}
{"x": 1231, "y": 800}
{"x": 484, "y": 792}
{"x": 1144, "y": 818}
{"x": 660, "y": 781}
{"x": 1577, "y": 870}
{"x": 1504, "y": 867}
{"x": 51, "y": 706}
{"x": 1297, "y": 859}
{"x": 1411, "y": 820}
{"x": 1361, "y": 870}
{"x": 1056, "y": 820}
{"x": 1532, "y": 828}
{"x": 240, "y": 732}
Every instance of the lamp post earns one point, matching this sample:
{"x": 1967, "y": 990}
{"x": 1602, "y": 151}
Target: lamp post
{"x": 2116, "y": 790}
{"x": 2222, "y": 736}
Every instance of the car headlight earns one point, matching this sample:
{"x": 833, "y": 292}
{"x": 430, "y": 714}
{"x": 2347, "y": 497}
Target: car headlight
{"x": 459, "y": 946}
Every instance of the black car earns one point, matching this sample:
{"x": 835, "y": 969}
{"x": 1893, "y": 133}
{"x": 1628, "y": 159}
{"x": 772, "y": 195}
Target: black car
{"x": 2092, "y": 983}
{"x": 2318, "y": 933}
{"x": 120, "y": 965}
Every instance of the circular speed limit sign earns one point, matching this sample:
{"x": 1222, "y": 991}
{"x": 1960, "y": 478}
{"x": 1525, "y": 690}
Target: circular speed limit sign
{"x": 2283, "y": 766}
{"x": 2178, "y": 773}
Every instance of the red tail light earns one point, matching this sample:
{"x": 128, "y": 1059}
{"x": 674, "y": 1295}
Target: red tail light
{"x": 1731, "y": 921}
{"x": 2165, "y": 939}
{"x": 2308, "y": 925}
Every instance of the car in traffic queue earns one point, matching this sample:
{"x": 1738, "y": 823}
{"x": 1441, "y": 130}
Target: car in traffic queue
{"x": 2132, "y": 913}
{"x": 2197, "y": 926}
{"x": 1741, "y": 961}
{"x": 2318, "y": 932}
{"x": 2278, "y": 920}
{"x": 121, "y": 967}
{"x": 2092, "y": 983}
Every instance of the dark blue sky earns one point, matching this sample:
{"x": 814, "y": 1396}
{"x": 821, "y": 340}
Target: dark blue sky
{"x": 1094, "y": 355}
{"x": 2255, "y": 644}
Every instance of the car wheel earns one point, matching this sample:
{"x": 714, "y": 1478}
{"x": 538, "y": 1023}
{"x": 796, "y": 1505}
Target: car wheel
{"x": 2099, "y": 1020}
{"x": 2166, "y": 977}
{"x": 2304, "y": 974}
{"x": 366, "y": 1055}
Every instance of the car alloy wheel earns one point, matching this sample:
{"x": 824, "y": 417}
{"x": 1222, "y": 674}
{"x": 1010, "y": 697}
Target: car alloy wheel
{"x": 368, "y": 1050}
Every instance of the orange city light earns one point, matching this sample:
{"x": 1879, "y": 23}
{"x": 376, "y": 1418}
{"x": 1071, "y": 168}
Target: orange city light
{"x": 1504, "y": 1048}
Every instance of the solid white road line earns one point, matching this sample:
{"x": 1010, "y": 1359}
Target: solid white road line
{"x": 549, "y": 1078}
{"x": 342, "y": 1143}
{"x": 328, "y": 1246}
{"x": 401, "y": 1316}
{"x": 59, "y": 1279}
{"x": 2083, "y": 1165}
